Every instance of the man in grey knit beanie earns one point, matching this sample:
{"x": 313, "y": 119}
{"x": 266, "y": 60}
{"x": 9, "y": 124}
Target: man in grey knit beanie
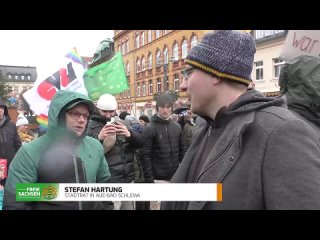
{"x": 248, "y": 142}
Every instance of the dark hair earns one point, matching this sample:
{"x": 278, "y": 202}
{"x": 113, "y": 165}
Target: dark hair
{"x": 164, "y": 99}
{"x": 144, "y": 118}
{"x": 123, "y": 115}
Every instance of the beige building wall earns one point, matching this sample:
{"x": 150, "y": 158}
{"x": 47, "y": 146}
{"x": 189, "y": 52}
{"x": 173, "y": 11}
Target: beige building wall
{"x": 267, "y": 51}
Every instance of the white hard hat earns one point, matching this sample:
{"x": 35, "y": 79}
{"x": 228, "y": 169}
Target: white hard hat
{"x": 107, "y": 102}
{"x": 21, "y": 120}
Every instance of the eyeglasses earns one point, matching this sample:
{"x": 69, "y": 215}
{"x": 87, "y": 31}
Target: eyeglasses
{"x": 76, "y": 115}
{"x": 187, "y": 71}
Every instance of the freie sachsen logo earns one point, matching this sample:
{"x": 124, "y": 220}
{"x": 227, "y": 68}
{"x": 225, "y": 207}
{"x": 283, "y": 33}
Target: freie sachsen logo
{"x": 27, "y": 192}
{"x": 49, "y": 192}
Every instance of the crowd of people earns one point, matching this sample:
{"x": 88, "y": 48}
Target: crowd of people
{"x": 265, "y": 150}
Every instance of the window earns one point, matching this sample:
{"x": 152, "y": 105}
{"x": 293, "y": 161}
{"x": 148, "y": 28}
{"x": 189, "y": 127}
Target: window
{"x": 28, "y": 77}
{"x": 137, "y": 41}
{"x": 158, "y": 84}
{"x": 277, "y": 65}
{"x": 167, "y": 83}
{"x": 176, "y": 82}
{"x": 142, "y": 38}
{"x": 128, "y": 69}
{"x": 150, "y": 61}
{"x": 158, "y": 60}
{"x": 264, "y": 33}
{"x": 149, "y": 36}
{"x": 143, "y": 64}
{"x": 9, "y": 76}
{"x": 150, "y": 87}
{"x": 259, "y": 70}
{"x": 138, "y": 65}
{"x": 165, "y": 56}
{"x": 128, "y": 93}
{"x": 127, "y": 46}
{"x": 157, "y": 34}
{"x": 144, "y": 89}
{"x": 165, "y": 32}
{"x": 194, "y": 41}
{"x": 184, "y": 48}
{"x": 138, "y": 89}
{"x": 16, "y": 77}
{"x": 22, "y": 77}
{"x": 175, "y": 52}
{"x": 123, "y": 48}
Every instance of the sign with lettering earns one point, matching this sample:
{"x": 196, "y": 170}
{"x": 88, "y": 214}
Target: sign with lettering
{"x": 301, "y": 42}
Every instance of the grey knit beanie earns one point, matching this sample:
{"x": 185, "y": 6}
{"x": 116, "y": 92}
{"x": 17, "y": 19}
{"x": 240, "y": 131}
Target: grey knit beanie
{"x": 226, "y": 54}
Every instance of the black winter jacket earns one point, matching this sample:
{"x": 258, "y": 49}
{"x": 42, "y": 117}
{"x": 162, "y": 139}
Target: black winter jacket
{"x": 163, "y": 149}
{"x": 121, "y": 157}
{"x": 9, "y": 139}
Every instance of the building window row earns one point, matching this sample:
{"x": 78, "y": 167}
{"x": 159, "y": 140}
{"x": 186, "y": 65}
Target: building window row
{"x": 277, "y": 64}
{"x": 146, "y": 87}
{"x": 265, "y": 33}
{"x": 142, "y": 64}
{"x": 21, "y": 77}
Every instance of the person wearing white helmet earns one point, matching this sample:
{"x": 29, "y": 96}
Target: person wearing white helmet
{"x": 119, "y": 142}
{"x": 22, "y": 128}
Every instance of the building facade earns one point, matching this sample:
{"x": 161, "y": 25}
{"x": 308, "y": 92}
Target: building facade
{"x": 153, "y": 60}
{"x": 19, "y": 78}
{"x": 267, "y": 64}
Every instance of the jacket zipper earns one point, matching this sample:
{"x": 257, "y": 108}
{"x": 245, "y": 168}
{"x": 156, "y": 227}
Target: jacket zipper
{"x": 169, "y": 147}
{"x": 77, "y": 176}
{"x": 227, "y": 148}
{"x": 84, "y": 172}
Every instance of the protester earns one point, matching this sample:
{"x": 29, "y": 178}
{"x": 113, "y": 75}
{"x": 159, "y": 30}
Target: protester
{"x": 63, "y": 155}
{"x": 9, "y": 139}
{"x": 187, "y": 129}
{"x": 121, "y": 140}
{"x": 300, "y": 85}
{"x": 143, "y": 120}
{"x": 132, "y": 121}
{"x": 265, "y": 157}
{"x": 22, "y": 128}
{"x": 163, "y": 148}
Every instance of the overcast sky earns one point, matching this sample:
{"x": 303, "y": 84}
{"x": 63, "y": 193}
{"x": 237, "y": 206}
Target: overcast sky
{"x": 45, "y": 49}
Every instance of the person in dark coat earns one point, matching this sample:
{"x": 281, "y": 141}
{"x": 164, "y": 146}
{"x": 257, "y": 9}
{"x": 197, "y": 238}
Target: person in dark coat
{"x": 187, "y": 129}
{"x": 9, "y": 138}
{"x": 121, "y": 140}
{"x": 265, "y": 157}
{"x": 163, "y": 147}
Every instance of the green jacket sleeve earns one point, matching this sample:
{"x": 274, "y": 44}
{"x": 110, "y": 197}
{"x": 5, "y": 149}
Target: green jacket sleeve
{"x": 103, "y": 171}
{"x": 22, "y": 170}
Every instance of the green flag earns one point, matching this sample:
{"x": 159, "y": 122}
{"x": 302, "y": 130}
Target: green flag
{"x": 109, "y": 77}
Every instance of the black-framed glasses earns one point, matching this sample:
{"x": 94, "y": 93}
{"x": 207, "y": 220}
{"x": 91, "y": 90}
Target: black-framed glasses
{"x": 186, "y": 72}
{"x": 75, "y": 115}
